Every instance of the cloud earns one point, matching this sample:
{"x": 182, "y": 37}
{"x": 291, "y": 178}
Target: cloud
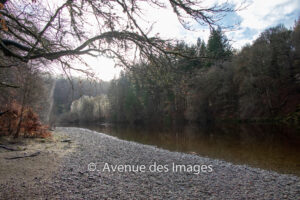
{"x": 258, "y": 16}
{"x": 266, "y": 13}
{"x": 261, "y": 15}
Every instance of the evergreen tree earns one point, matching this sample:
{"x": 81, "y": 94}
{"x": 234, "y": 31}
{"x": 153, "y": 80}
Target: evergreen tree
{"x": 218, "y": 47}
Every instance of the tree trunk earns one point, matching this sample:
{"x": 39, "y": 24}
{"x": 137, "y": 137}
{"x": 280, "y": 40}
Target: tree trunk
{"x": 20, "y": 122}
{"x": 21, "y": 115}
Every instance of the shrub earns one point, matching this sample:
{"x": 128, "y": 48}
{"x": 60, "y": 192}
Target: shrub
{"x": 30, "y": 123}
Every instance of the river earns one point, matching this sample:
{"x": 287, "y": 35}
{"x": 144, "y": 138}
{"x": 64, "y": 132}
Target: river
{"x": 266, "y": 146}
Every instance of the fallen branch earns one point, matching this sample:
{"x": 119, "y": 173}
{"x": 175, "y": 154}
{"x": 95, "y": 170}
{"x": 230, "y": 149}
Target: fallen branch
{"x": 66, "y": 140}
{"x": 2, "y": 113}
{"x": 26, "y": 156}
{"x": 8, "y": 148}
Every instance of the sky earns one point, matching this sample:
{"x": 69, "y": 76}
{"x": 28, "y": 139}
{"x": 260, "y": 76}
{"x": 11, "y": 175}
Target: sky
{"x": 258, "y": 16}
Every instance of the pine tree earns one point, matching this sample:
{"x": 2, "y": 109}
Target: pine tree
{"x": 218, "y": 47}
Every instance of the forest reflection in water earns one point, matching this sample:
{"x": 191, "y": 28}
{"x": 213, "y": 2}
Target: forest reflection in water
{"x": 265, "y": 146}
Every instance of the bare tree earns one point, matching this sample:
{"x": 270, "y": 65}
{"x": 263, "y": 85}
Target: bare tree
{"x": 63, "y": 30}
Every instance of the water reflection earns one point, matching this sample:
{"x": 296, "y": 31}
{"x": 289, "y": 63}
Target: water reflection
{"x": 265, "y": 146}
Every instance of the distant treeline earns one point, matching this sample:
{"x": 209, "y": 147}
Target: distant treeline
{"x": 76, "y": 99}
{"x": 200, "y": 83}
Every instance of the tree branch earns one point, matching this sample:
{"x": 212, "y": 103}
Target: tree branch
{"x": 3, "y": 84}
{"x": 45, "y": 28}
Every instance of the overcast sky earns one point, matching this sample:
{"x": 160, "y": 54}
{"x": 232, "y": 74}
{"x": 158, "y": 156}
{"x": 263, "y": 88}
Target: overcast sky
{"x": 259, "y": 15}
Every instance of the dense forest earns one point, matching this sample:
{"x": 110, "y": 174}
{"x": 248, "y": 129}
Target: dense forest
{"x": 208, "y": 82}
{"x": 163, "y": 81}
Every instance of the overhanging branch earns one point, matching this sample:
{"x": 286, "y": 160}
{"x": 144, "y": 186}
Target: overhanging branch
{"x": 124, "y": 35}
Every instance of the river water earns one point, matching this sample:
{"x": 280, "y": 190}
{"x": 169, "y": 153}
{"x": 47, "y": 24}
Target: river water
{"x": 265, "y": 146}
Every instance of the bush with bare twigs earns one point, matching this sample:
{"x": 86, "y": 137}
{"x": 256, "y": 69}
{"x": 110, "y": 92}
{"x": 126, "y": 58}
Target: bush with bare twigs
{"x": 17, "y": 121}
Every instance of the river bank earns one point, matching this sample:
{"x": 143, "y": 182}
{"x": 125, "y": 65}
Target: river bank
{"x": 73, "y": 180}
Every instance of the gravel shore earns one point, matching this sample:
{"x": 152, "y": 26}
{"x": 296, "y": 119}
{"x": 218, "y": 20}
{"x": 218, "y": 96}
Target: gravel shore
{"x": 73, "y": 180}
